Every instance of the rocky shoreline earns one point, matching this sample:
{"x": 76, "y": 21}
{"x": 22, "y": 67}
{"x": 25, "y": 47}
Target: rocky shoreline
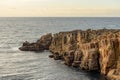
{"x": 91, "y": 50}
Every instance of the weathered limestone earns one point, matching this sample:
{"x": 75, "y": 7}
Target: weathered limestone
{"x": 77, "y": 58}
{"x": 42, "y": 44}
{"x": 90, "y": 50}
{"x": 90, "y": 60}
{"x": 69, "y": 58}
{"x": 114, "y": 60}
{"x": 114, "y": 74}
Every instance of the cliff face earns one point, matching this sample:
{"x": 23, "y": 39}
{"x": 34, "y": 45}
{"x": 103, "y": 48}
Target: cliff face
{"x": 90, "y": 50}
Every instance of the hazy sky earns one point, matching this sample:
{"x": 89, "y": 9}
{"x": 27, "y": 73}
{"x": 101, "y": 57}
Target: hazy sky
{"x": 81, "y": 8}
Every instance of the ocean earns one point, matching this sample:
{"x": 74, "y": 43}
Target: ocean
{"x": 20, "y": 65}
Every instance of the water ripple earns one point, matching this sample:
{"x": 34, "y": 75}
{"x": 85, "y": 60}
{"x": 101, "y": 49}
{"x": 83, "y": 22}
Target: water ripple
{"x": 19, "y": 65}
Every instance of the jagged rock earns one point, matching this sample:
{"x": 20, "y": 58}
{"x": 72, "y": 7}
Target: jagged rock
{"x": 114, "y": 74}
{"x": 108, "y": 54}
{"x": 57, "y": 56}
{"x": 69, "y": 57}
{"x": 90, "y": 50}
{"x": 78, "y": 55}
{"x": 76, "y": 63}
{"x": 90, "y": 60}
{"x": 77, "y": 58}
{"x": 42, "y": 44}
{"x": 31, "y": 47}
{"x": 45, "y": 41}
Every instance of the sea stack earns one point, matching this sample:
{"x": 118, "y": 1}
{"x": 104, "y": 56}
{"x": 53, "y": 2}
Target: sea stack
{"x": 90, "y": 50}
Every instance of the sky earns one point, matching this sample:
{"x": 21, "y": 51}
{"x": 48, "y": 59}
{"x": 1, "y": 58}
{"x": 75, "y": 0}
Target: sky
{"x": 59, "y": 8}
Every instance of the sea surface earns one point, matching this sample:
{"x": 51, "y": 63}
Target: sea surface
{"x": 20, "y": 65}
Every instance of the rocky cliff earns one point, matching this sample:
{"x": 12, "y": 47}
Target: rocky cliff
{"x": 41, "y": 44}
{"x": 90, "y": 50}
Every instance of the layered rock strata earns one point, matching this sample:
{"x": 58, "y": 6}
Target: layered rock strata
{"x": 90, "y": 50}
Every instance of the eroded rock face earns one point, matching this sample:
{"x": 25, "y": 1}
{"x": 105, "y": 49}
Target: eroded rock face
{"x": 114, "y": 74}
{"x": 90, "y": 50}
{"x": 90, "y": 60}
{"x": 77, "y": 58}
{"x": 69, "y": 57}
{"x": 108, "y": 54}
{"x": 42, "y": 44}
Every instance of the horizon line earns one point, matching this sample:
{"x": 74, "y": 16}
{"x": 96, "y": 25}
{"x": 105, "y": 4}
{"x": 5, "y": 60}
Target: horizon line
{"x": 59, "y": 16}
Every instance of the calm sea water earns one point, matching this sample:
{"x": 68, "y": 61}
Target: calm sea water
{"x": 19, "y": 65}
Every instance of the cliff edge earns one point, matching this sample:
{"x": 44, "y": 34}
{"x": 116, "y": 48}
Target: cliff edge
{"x": 90, "y": 50}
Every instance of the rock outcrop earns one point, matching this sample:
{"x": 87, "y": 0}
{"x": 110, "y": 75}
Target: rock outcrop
{"x": 42, "y": 44}
{"x": 90, "y": 50}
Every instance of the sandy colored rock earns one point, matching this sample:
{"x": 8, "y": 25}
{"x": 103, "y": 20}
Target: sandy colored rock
{"x": 90, "y": 60}
{"x": 90, "y": 50}
{"x": 114, "y": 74}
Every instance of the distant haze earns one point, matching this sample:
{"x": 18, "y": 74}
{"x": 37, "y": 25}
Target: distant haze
{"x": 59, "y": 8}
